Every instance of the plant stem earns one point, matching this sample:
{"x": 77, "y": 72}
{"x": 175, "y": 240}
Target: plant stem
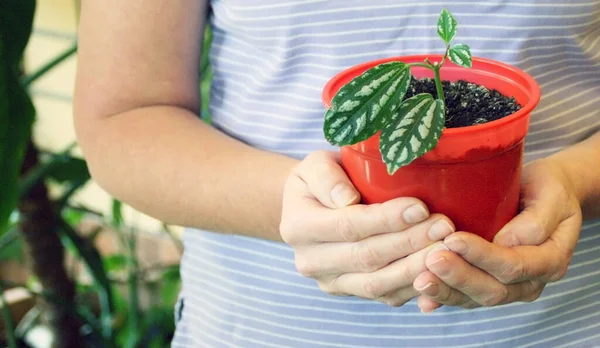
{"x": 445, "y": 56}
{"x": 8, "y": 322}
{"x": 438, "y": 80}
{"x": 438, "y": 84}
{"x": 39, "y": 173}
{"x": 39, "y": 228}
{"x": 423, "y": 65}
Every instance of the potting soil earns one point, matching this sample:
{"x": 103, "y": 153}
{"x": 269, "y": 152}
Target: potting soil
{"x": 467, "y": 103}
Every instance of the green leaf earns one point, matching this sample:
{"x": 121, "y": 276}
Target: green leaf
{"x": 446, "y": 27}
{"x": 68, "y": 193}
{"x": 89, "y": 254}
{"x": 16, "y": 24}
{"x": 115, "y": 263}
{"x": 26, "y": 81}
{"x": 72, "y": 217}
{"x": 157, "y": 326}
{"x": 117, "y": 213}
{"x": 171, "y": 285}
{"x": 11, "y": 247}
{"x": 43, "y": 170}
{"x": 361, "y": 107}
{"x": 414, "y": 129}
{"x": 16, "y": 119}
{"x": 460, "y": 54}
{"x": 70, "y": 170}
{"x": 16, "y": 109}
{"x": 93, "y": 262}
{"x": 8, "y": 320}
{"x": 206, "y": 74}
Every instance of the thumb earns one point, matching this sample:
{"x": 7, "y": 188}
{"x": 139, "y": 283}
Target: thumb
{"x": 538, "y": 220}
{"x": 327, "y": 181}
{"x": 530, "y": 227}
{"x": 543, "y": 208}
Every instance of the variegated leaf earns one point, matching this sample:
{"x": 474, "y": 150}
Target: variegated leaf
{"x": 446, "y": 27}
{"x": 361, "y": 107}
{"x": 460, "y": 54}
{"x": 413, "y": 130}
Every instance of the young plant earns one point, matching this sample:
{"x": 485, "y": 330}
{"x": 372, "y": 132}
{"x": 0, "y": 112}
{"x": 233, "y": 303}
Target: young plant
{"x": 374, "y": 101}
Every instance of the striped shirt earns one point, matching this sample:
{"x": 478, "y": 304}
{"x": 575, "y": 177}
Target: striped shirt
{"x": 271, "y": 59}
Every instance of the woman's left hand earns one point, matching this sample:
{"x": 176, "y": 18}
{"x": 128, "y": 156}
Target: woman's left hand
{"x": 535, "y": 248}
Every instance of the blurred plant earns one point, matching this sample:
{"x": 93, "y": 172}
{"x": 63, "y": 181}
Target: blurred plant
{"x": 44, "y": 228}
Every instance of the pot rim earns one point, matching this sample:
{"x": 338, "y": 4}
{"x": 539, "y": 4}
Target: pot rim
{"x": 530, "y": 84}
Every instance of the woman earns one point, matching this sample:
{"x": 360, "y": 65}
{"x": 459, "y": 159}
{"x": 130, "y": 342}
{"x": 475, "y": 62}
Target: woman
{"x": 278, "y": 252}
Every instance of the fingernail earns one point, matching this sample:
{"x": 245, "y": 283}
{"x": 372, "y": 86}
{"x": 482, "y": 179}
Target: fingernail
{"x": 438, "y": 247}
{"x": 424, "y": 287}
{"x": 427, "y": 312}
{"x": 342, "y": 194}
{"x": 415, "y": 214}
{"x": 504, "y": 238}
{"x": 438, "y": 261}
{"x": 500, "y": 234}
{"x": 456, "y": 244}
{"x": 440, "y": 230}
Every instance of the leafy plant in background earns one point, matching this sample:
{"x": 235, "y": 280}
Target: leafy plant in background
{"x": 92, "y": 314}
{"x": 373, "y": 101}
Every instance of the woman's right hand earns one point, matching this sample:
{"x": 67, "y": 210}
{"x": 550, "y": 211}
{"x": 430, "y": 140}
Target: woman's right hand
{"x": 370, "y": 251}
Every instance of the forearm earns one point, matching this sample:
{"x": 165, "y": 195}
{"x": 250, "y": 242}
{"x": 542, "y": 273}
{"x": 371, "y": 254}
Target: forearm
{"x": 167, "y": 163}
{"x": 581, "y": 165}
{"x": 136, "y": 101}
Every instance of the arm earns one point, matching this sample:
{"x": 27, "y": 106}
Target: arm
{"x": 136, "y": 105}
{"x": 581, "y": 165}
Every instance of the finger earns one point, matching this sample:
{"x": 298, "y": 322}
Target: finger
{"x": 525, "y": 229}
{"x": 398, "y": 298}
{"x": 306, "y": 221}
{"x": 545, "y": 205}
{"x": 459, "y": 281}
{"x": 427, "y": 305}
{"x": 429, "y": 285}
{"x": 504, "y": 264}
{"x": 326, "y": 180}
{"x": 547, "y": 262}
{"x": 398, "y": 275}
{"x": 372, "y": 253}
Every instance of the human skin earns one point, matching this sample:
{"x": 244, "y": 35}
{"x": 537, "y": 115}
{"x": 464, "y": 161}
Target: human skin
{"x": 533, "y": 249}
{"x": 136, "y": 118}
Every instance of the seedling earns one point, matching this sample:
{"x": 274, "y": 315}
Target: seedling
{"x": 374, "y": 101}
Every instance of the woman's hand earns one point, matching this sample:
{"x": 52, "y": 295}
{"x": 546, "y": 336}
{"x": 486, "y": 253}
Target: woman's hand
{"x": 370, "y": 251}
{"x": 535, "y": 248}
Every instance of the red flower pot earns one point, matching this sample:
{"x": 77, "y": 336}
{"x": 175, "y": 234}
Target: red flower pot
{"x": 473, "y": 174}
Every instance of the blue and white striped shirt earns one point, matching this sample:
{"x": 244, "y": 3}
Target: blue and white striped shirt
{"x": 271, "y": 59}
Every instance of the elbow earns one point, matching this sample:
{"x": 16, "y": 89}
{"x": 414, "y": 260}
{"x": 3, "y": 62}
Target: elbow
{"x": 93, "y": 137}
{"x": 94, "y": 153}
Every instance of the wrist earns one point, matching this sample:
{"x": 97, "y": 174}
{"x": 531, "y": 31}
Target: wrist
{"x": 567, "y": 174}
{"x": 579, "y": 167}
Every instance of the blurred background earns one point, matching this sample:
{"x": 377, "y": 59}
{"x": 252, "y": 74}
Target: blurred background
{"x": 77, "y": 268}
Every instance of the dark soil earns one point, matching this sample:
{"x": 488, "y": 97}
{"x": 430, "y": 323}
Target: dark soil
{"x": 467, "y": 103}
